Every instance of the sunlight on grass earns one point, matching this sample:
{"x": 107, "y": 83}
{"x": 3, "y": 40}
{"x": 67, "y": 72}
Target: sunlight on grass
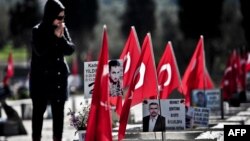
{"x": 19, "y": 54}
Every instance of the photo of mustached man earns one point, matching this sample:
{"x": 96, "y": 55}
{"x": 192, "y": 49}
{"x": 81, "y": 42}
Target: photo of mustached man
{"x": 115, "y": 78}
{"x": 154, "y": 121}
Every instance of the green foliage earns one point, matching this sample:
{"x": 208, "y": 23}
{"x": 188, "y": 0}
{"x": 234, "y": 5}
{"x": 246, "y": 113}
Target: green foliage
{"x": 139, "y": 13}
{"x": 81, "y": 14}
{"x": 19, "y": 54}
{"x": 196, "y": 20}
{"x": 23, "y": 16}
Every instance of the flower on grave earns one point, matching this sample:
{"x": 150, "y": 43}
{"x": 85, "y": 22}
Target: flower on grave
{"x": 79, "y": 119}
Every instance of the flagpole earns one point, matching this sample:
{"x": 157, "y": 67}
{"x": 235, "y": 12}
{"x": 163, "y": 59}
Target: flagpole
{"x": 162, "y": 132}
{"x": 158, "y": 97}
{"x": 204, "y": 65}
{"x": 158, "y": 94}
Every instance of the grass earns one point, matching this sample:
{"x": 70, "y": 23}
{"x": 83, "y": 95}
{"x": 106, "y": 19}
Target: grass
{"x": 19, "y": 54}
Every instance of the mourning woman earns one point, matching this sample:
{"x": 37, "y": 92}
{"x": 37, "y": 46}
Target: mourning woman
{"x": 49, "y": 70}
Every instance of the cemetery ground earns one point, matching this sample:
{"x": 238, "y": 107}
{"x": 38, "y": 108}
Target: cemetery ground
{"x": 215, "y": 132}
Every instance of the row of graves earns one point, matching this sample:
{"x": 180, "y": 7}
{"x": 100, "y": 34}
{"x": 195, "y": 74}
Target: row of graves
{"x": 203, "y": 119}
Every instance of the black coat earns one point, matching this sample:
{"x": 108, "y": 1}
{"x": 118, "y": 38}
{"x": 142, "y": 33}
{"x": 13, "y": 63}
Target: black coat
{"x": 160, "y": 124}
{"x": 49, "y": 71}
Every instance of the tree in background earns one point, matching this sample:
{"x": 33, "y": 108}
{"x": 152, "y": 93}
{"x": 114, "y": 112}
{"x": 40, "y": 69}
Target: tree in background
{"x": 81, "y": 18}
{"x": 245, "y": 6}
{"x": 23, "y": 16}
{"x": 200, "y": 17}
{"x": 139, "y": 13}
{"x": 4, "y": 32}
{"x": 197, "y": 18}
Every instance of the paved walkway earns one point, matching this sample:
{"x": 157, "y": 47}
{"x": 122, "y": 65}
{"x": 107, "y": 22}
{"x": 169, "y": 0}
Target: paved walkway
{"x": 69, "y": 132}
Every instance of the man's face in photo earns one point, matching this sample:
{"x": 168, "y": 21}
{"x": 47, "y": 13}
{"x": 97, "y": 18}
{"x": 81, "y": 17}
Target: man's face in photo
{"x": 115, "y": 74}
{"x": 201, "y": 97}
{"x": 153, "y": 109}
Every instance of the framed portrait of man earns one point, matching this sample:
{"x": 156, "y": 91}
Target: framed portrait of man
{"x": 115, "y": 77}
{"x": 209, "y": 98}
{"x": 199, "y": 98}
{"x": 153, "y": 120}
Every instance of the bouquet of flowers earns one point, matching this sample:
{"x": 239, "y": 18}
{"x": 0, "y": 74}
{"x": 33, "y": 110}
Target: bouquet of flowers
{"x": 79, "y": 120}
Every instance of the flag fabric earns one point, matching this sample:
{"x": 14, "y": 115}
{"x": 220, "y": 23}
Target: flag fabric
{"x": 208, "y": 80}
{"x": 243, "y": 60}
{"x": 196, "y": 75}
{"x": 230, "y": 83}
{"x": 145, "y": 75}
{"x": 248, "y": 62}
{"x": 99, "y": 121}
{"x": 10, "y": 66}
{"x": 9, "y": 69}
{"x": 74, "y": 66}
{"x": 130, "y": 56}
{"x": 168, "y": 73}
{"x": 143, "y": 85}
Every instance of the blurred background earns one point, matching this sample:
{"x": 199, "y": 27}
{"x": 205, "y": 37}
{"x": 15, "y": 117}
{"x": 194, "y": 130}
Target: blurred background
{"x": 222, "y": 22}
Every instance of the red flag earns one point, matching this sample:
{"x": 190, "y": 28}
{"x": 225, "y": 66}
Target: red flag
{"x": 196, "y": 75}
{"x": 143, "y": 86}
{"x": 248, "y": 62}
{"x": 230, "y": 83}
{"x": 208, "y": 80}
{"x": 99, "y": 122}
{"x": 74, "y": 66}
{"x": 145, "y": 74}
{"x": 168, "y": 73}
{"x": 9, "y": 69}
{"x": 10, "y": 66}
{"x": 130, "y": 56}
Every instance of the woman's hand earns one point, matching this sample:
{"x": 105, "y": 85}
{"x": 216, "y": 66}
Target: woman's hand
{"x": 59, "y": 31}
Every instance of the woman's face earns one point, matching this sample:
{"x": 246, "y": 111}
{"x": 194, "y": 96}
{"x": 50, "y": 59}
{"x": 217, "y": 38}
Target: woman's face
{"x": 59, "y": 19}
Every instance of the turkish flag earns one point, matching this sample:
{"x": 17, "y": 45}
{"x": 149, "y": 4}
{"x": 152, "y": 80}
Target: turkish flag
{"x": 145, "y": 79}
{"x": 208, "y": 80}
{"x": 231, "y": 79}
{"x": 9, "y": 70}
{"x": 196, "y": 75}
{"x": 130, "y": 56}
{"x": 10, "y": 66}
{"x": 99, "y": 121}
{"x": 168, "y": 73}
{"x": 143, "y": 85}
{"x": 248, "y": 62}
{"x": 74, "y": 65}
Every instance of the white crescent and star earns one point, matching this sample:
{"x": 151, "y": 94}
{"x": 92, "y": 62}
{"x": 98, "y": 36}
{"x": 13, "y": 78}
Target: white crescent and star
{"x": 127, "y": 58}
{"x": 141, "y": 70}
{"x": 167, "y": 68}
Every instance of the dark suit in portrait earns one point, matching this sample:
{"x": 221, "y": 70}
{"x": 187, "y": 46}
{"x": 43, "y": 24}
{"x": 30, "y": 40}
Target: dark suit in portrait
{"x": 160, "y": 124}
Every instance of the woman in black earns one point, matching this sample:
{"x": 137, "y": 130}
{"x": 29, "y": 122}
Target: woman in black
{"x": 49, "y": 71}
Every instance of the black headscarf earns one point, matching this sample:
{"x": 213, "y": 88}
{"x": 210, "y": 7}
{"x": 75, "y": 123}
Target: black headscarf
{"x": 51, "y": 10}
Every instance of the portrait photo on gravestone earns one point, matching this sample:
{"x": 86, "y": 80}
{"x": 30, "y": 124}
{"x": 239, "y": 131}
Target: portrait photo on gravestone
{"x": 209, "y": 98}
{"x": 171, "y": 114}
{"x": 153, "y": 120}
{"x": 115, "y": 77}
